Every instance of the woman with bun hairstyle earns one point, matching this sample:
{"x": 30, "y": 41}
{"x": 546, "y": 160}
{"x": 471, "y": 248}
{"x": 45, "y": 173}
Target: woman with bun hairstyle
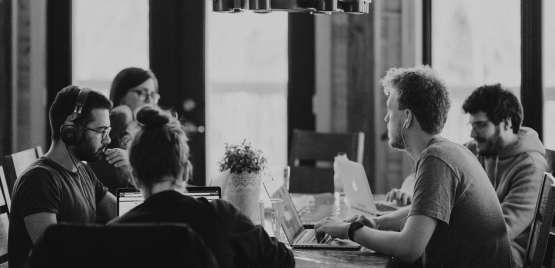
{"x": 158, "y": 153}
{"x": 131, "y": 89}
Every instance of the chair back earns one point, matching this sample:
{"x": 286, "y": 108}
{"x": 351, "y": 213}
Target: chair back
{"x": 4, "y": 224}
{"x": 542, "y": 232}
{"x": 550, "y": 157}
{"x": 125, "y": 245}
{"x": 18, "y": 162}
{"x": 308, "y": 148}
{"x": 6, "y": 199}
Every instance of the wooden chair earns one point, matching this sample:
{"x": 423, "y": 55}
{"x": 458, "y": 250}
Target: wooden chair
{"x": 124, "y": 245}
{"x": 309, "y": 149}
{"x": 550, "y": 157}
{"x": 4, "y": 191}
{"x": 4, "y": 224}
{"x": 18, "y": 162}
{"x": 542, "y": 234}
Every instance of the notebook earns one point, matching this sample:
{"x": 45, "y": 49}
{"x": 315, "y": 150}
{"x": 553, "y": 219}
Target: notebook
{"x": 297, "y": 235}
{"x": 358, "y": 190}
{"x": 128, "y": 198}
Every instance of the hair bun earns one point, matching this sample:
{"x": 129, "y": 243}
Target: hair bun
{"x": 150, "y": 116}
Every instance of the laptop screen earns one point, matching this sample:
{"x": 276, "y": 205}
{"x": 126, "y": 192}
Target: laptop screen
{"x": 128, "y": 198}
{"x": 291, "y": 224}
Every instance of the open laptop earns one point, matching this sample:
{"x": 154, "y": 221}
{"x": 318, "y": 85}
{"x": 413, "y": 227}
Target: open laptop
{"x": 297, "y": 235}
{"x": 358, "y": 190}
{"x": 128, "y": 198}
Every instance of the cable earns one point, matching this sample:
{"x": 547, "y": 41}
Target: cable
{"x": 409, "y": 157}
{"x": 82, "y": 188}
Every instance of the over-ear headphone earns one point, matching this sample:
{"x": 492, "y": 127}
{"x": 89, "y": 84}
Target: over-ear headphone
{"x": 70, "y": 132}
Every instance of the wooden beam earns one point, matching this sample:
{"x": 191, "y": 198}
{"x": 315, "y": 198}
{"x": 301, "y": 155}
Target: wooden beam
{"x": 5, "y": 77}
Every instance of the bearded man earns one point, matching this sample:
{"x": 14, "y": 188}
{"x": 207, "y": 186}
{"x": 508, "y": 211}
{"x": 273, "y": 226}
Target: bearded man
{"x": 513, "y": 157}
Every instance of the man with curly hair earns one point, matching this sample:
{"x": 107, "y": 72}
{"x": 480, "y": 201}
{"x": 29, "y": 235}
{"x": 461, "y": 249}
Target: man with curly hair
{"x": 455, "y": 219}
{"x": 513, "y": 157}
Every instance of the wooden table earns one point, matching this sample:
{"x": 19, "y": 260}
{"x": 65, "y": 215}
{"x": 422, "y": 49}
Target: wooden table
{"x": 316, "y": 207}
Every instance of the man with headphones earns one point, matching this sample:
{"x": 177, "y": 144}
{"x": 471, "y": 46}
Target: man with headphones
{"x": 455, "y": 219}
{"x": 59, "y": 187}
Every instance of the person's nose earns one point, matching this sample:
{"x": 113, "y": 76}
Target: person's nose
{"x": 473, "y": 133}
{"x": 107, "y": 140}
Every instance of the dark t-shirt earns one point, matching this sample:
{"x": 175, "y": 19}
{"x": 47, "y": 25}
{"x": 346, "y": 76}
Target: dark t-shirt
{"x": 48, "y": 187}
{"x": 231, "y": 236}
{"x": 452, "y": 187}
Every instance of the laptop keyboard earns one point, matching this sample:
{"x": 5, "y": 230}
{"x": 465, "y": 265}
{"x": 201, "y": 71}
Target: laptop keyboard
{"x": 384, "y": 208}
{"x": 312, "y": 239}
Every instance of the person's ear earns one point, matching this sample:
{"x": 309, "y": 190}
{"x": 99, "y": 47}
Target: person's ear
{"x": 508, "y": 123}
{"x": 407, "y": 119}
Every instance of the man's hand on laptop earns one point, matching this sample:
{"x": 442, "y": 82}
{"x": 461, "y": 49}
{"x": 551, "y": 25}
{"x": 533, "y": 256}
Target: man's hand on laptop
{"x": 402, "y": 197}
{"x": 333, "y": 227}
{"x": 366, "y": 221}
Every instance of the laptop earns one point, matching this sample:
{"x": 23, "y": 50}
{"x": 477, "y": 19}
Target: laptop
{"x": 357, "y": 189}
{"x": 221, "y": 180}
{"x": 128, "y": 198}
{"x": 297, "y": 235}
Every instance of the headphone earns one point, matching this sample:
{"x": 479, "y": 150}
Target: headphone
{"x": 70, "y": 132}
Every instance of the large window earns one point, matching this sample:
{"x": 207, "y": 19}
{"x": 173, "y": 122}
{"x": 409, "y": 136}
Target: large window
{"x": 108, "y": 36}
{"x": 475, "y": 43}
{"x": 548, "y": 36}
{"x": 246, "y": 84}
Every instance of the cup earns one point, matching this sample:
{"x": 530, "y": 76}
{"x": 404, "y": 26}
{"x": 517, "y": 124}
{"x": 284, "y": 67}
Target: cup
{"x": 271, "y": 214}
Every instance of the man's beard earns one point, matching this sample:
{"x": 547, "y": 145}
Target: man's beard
{"x": 86, "y": 152}
{"x": 493, "y": 145}
{"x": 397, "y": 141}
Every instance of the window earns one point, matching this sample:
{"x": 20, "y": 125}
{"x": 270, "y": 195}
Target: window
{"x": 108, "y": 36}
{"x": 246, "y": 84}
{"x": 475, "y": 43}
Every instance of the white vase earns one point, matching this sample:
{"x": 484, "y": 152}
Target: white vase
{"x": 243, "y": 191}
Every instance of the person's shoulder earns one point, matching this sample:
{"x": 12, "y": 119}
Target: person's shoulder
{"x": 121, "y": 112}
{"x": 40, "y": 168}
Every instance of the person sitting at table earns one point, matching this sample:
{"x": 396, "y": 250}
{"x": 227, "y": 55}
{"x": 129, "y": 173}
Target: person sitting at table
{"x": 158, "y": 153}
{"x": 60, "y": 187}
{"x": 512, "y": 155}
{"x": 131, "y": 89}
{"x": 455, "y": 219}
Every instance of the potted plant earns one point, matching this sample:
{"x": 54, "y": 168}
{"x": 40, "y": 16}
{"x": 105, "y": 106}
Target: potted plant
{"x": 243, "y": 185}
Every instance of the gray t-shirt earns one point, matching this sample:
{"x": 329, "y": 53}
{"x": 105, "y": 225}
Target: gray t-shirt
{"x": 47, "y": 187}
{"x": 452, "y": 187}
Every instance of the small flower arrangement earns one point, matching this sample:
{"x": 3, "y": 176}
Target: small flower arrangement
{"x": 242, "y": 158}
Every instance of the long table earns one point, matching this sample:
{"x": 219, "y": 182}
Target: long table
{"x": 313, "y": 208}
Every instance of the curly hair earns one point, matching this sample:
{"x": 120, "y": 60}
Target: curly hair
{"x": 498, "y": 104}
{"x": 421, "y": 91}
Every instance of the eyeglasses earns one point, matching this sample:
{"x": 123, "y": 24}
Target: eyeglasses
{"x": 144, "y": 94}
{"x": 105, "y": 131}
{"x": 478, "y": 126}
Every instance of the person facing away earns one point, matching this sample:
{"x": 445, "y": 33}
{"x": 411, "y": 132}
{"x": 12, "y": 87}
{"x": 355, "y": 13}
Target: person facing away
{"x": 131, "y": 89}
{"x": 59, "y": 187}
{"x": 455, "y": 219}
{"x": 512, "y": 156}
{"x": 158, "y": 153}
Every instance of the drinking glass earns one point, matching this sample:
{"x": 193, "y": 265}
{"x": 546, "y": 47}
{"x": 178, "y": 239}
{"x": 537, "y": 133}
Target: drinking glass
{"x": 271, "y": 214}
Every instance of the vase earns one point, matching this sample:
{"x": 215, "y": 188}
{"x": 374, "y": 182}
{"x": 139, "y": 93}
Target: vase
{"x": 243, "y": 191}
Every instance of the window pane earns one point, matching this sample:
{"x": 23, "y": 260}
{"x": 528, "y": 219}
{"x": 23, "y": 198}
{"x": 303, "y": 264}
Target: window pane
{"x": 548, "y": 35}
{"x": 108, "y": 36}
{"x": 475, "y": 43}
{"x": 246, "y": 84}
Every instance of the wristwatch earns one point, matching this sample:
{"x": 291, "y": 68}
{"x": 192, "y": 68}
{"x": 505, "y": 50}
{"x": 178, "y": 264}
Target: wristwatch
{"x": 353, "y": 227}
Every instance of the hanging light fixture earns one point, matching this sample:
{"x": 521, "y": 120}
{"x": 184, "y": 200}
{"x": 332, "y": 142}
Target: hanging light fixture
{"x": 311, "y": 6}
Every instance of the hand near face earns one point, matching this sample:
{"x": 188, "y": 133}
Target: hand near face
{"x": 333, "y": 227}
{"x": 118, "y": 157}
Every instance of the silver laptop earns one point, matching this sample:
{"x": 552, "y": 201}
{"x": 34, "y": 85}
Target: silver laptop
{"x": 358, "y": 190}
{"x": 128, "y": 198}
{"x": 297, "y": 235}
